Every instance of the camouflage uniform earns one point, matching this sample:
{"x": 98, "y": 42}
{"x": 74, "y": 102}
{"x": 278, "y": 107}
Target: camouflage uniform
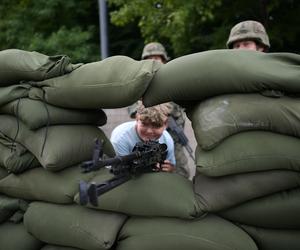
{"x": 249, "y": 30}
{"x": 156, "y": 49}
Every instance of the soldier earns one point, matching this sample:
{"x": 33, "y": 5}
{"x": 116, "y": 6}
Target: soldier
{"x": 249, "y": 35}
{"x": 156, "y": 51}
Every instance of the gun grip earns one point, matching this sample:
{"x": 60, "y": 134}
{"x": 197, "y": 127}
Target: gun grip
{"x": 92, "y": 194}
{"x": 83, "y": 193}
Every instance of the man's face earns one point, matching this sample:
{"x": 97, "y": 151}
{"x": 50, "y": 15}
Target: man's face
{"x": 247, "y": 44}
{"x": 157, "y": 58}
{"x": 148, "y": 132}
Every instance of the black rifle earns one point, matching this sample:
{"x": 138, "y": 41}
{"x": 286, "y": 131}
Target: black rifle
{"x": 173, "y": 127}
{"x": 143, "y": 159}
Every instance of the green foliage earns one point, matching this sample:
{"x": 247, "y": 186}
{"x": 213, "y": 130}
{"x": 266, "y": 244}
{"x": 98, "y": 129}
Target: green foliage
{"x": 72, "y": 27}
{"x": 197, "y": 25}
{"x": 51, "y": 27}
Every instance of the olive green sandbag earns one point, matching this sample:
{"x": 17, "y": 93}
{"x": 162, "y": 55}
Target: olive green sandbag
{"x": 217, "y": 118}
{"x": 73, "y": 225}
{"x": 43, "y": 185}
{"x": 250, "y": 152}
{"x": 15, "y": 162}
{"x": 272, "y": 239}
{"x": 58, "y": 146}
{"x": 17, "y": 65}
{"x": 10, "y": 205}
{"x": 209, "y": 233}
{"x": 205, "y": 74}
{"x": 277, "y": 211}
{"x": 55, "y": 247}
{"x": 3, "y": 172}
{"x": 219, "y": 193}
{"x": 115, "y": 82}
{"x": 36, "y": 114}
{"x": 13, "y": 92}
{"x": 14, "y": 156}
{"x": 15, "y": 237}
{"x": 150, "y": 194}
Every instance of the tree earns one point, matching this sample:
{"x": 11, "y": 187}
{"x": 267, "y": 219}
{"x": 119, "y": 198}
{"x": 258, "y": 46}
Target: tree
{"x": 197, "y": 25}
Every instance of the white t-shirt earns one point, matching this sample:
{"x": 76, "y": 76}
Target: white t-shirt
{"x": 124, "y": 137}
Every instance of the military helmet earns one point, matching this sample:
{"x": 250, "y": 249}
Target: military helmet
{"x": 248, "y": 30}
{"x": 153, "y": 49}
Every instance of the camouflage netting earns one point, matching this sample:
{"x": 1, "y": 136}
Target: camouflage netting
{"x": 246, "y": 191}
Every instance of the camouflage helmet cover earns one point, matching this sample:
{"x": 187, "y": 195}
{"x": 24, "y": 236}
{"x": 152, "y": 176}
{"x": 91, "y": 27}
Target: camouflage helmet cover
{"x": 248, "y": 30}
{"x": 154, "y": 49}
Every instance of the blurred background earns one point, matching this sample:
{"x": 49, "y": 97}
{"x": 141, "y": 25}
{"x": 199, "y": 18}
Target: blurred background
{"x": 183, "y": 27}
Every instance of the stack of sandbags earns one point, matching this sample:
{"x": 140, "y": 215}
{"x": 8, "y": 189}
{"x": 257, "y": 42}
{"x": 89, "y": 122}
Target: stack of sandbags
{"x": 247, "y": 155}
{"x": 36, "y": 137}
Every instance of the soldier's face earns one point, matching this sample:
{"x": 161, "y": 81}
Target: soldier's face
{"x": 246, "y": 44}
{"x": 147, "y": 131}
{"x": 157, "y": 58}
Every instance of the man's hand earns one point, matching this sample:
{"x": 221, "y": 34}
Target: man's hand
{"x": 167, "y": 166}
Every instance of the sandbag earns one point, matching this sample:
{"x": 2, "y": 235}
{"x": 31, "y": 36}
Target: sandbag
{"x": 217, "y": 118}
{"x": 150, "y": 194}
{"x": 271, "y": 239}
{"x": 79, "y": 226}
{"x": 210, "y": 233}
{"x": 17, "y": 65}
{"x": 55, "y": 247}
{"x": 36, "y": 114}
{"x": 42, "y": 185}
{"x": 219, "y": 193}
{"x": 276, "y": 211}
{"x": 3, "y": 172}
{"x": 59, "y": 146}
{"x": 15, "y": 237}
{"x": 115, "y": 82}
{"x": 250, "y": 152}
{"x": 15, "y": 162}
{"x": 9, "y": 205}
{"x": 13, "y": 92}
{"x": 205, "y": 74}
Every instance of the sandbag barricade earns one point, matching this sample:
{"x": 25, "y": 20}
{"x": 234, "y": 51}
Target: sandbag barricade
{"x": 223, "y": 192}
{"x": 276, "y": 211}
{"x": 273, "y": 238}
{"x": 210, "y": 232}
{"x": 207, "y": 74}
{"x": 150, "y": 194}
{"x": 36, "y": 114}
{"x": 11, "y": 208}
{"x": 20, "y": 65}
{"x": 40, "y": 184}
{"x": 84, "y": 228}
{"x": 220, "y": 117}
{"x": 249, "y": 152}
{"x": 56, "y": 147}
{"x": 15, "y": 236}
{"x": 115, "y": 82}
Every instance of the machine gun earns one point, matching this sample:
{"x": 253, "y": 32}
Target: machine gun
{"x": 178, "y": 131}
{"x": 143, "y": 159}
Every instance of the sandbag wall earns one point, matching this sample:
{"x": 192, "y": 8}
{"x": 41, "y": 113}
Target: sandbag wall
{"x": 244, "y": 111}
{"x": 248, "y": 168}
{"x": 41, "y": 146}
{"x": 155, "y": 210}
